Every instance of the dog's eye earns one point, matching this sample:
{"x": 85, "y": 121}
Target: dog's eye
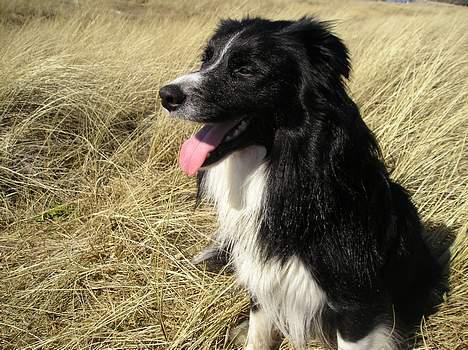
{"x": 207, "y": 55}
{"x": 244, "y": 71}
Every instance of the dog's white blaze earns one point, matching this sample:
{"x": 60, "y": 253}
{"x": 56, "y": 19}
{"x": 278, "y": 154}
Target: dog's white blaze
{"x": 381, "y": 338}
{"x": 222, "y": 53}
{"x": 287, "y": 293}
{"x": 190, "y": 79}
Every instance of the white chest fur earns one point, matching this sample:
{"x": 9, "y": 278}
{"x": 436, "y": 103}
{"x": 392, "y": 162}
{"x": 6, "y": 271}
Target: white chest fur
{"x": 287, "y": 292}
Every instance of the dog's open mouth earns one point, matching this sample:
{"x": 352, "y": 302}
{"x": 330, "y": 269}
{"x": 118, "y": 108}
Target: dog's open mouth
{"x": 212, "y": 143}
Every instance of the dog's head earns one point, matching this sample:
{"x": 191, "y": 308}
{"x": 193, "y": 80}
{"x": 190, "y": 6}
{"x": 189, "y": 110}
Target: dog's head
{"x": 256, "y": 77}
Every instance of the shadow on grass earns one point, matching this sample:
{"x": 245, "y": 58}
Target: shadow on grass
{"x": 439, "y": 238}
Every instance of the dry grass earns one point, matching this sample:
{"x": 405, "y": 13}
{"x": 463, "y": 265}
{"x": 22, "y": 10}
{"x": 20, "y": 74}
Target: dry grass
{"x": 97, "y": 222}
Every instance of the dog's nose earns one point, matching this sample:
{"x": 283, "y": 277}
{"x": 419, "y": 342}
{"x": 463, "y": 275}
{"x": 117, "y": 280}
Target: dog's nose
{"x": 172, "y": 97}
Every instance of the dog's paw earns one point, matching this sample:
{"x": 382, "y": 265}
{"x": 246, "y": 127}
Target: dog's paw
{"x": 238, "y": 335}
{"x": 214, "y": 258}
{"x": 208, "y": 253}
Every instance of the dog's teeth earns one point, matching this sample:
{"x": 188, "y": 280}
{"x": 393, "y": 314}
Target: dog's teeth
{"x": 241, "y": 127}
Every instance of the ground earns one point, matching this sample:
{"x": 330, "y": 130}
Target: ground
{"x": 97, "y": 223}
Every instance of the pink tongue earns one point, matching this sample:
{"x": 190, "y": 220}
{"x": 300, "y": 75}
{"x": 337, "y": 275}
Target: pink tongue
{"x": 196, "y": 149}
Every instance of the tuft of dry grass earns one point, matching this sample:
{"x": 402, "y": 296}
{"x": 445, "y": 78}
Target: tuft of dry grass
{"x": 98, "y": 224}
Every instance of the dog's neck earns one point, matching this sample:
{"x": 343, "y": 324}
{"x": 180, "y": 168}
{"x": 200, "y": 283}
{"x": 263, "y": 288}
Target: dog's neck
{"x": 236, "y": 186}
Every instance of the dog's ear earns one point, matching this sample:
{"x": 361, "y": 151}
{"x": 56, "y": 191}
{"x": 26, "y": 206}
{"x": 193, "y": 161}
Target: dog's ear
{"x": 228, "y": 25}
{"x": 325, "y": 51}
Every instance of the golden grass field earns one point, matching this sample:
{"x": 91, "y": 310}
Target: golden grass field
{"x": 97, "y": 223}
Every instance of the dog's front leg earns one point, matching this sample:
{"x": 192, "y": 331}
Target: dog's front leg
{"x": 257, "y": 333}
{"x": 262, "y": 334}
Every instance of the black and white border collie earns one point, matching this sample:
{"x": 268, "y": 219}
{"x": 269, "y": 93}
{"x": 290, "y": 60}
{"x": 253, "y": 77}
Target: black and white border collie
{"x": 325, "y": 243}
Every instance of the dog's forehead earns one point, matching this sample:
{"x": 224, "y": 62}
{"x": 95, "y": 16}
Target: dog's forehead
{"x": 246, "y": 30}
{"x": 241, "y": 39}
{"x": 222, "y": 38}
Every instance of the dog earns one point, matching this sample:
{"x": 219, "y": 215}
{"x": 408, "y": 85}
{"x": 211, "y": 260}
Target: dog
{"x": 323, "y": 240}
